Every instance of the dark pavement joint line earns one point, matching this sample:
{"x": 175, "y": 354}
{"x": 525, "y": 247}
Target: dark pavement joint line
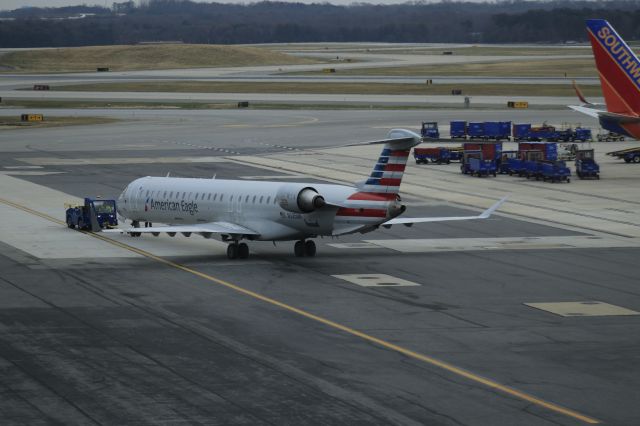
{"x": 407, "y": 352}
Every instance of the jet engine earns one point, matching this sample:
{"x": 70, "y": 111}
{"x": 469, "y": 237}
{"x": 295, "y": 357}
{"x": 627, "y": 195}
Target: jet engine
{"x": 295, "y": 199}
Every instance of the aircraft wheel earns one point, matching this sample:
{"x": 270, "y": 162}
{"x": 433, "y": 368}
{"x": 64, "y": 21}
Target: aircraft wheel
{"x": 243, "y": 251}
{"x": 310, "y": 248}
{"x": 298, "y": 248}
{"x": 232, "y": 251}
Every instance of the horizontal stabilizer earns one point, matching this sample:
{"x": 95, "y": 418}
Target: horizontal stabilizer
{"x": 411, "y": 220}
{"x": 619, "y": 118}
{"x": 396, "y": 139}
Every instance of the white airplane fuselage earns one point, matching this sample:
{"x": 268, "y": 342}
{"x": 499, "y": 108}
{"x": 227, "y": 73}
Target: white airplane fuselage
{"x": 268, "y": 208}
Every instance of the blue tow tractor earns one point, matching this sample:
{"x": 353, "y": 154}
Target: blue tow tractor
{"x": 94, "y": 215}
{"x": 555, "y": 171}
{"x": 430, "y": 130}
{"x": 586, "y": 166}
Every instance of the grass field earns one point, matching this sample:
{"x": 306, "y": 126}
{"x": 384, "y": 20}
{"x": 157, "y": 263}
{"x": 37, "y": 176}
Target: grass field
{"x": 142, "y": 57}
{"x": 576, "y": 67}
{"x": 14, "y": 122}
{"x": 335, "y": 88}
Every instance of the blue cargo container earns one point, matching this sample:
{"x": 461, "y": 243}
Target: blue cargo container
{"x": 521, "y": 132}
{"x": 475, "y": 130}
{"x": 505, "y": 129}
{"x": 497, "y": 130}
{"x": 582, "y": 134}
{"x": 458, "y": 129}
{"x": 551, "y": 151}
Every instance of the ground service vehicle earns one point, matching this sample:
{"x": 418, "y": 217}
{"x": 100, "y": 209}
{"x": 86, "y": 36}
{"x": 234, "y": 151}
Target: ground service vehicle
{"x": 439, "y": 155}
{"x": 555, "y": 171}
{"x": 629, "y": 155}
{"x": 503, "y": 162}
{"x": 94, "y": 215}
{"x": 430, "y": 130}
{"x": 610, "y": 137}
{"x": 586, "y": 165}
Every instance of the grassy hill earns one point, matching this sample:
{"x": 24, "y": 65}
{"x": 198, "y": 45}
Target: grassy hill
{"x": 142, "y": 57}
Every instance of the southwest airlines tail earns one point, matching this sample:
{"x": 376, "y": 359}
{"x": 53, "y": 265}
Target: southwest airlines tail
{"x": 619, "y": 71}
{"x": 618, "y": 67}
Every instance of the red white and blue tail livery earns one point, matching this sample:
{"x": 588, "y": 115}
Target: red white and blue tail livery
{"x": 619, "y": 72}
{"x": 238, "y": 210}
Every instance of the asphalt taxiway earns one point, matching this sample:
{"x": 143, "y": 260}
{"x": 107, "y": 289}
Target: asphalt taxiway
{"x": 436, "y": 324}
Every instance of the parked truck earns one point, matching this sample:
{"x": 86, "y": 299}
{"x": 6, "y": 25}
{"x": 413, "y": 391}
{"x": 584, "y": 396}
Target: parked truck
{"x": 94, "y": 215}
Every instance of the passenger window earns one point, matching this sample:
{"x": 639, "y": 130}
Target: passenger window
{"x": 197, "y": 194}
{"x": 190, "y": 194}
{"x": 261, "y": 197}
{"x": 171, "y": 194}
{"x": 268, "y": 199}
{"x": 231, "y": 199}
{"x": 254, "y": 199}
{"x": 215, "y": 196}
{"x": 184, "y": 194}
{"x": 246, "y": 199}
{"x": 209, "y": 197}
{"x": 221, "y": 197}
{"x": 165, "y": 194}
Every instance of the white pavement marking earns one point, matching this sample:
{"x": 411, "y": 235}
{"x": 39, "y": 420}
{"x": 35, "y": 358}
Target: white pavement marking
{"x": 27, "y": 173}
{"x": 376, "y": 280}
{"x": 22, "y": 167}
{"x": 50, "y": 161}
{"x": 511, "y": 243}
{"x": 354, "y": 245}
{"x": 582, "y": 309}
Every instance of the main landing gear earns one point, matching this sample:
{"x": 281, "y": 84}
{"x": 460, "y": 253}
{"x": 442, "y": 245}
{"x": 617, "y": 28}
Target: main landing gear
{"x": 304, "y": 248}
{"x": 237, "y": 250}
{"x": 136, "y": 224}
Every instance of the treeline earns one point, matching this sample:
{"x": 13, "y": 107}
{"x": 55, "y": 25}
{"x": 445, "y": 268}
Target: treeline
{"x": 278, "y": 22}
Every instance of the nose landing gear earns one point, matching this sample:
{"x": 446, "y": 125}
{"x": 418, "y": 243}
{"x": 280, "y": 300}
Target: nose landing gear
{"x": 304, "y": 248}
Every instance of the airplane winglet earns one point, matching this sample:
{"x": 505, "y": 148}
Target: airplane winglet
{"x": 488, "y": 212}
{"x": 579, "y": 93}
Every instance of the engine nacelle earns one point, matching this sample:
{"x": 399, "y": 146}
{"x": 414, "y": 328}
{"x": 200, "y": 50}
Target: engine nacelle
{"x": 296, "y": 199}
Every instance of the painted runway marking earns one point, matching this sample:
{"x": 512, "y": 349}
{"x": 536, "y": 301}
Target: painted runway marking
{"x": 212, "y": 148}
{"x": 492, "y": 384}
{"x": 427, "y": 245}
{"x": 376, "y": 280}
{"x": 582, "y": 309}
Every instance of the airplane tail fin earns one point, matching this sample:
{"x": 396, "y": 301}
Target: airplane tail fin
{"x": 386, "y": 176}
{"x": 618, "y": 68}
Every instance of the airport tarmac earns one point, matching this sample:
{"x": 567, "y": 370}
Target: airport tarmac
{"x": 528, "y": 318}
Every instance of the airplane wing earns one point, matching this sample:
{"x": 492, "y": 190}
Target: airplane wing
{"x": 411, "y": 220}
{"x": 205, "y": 228}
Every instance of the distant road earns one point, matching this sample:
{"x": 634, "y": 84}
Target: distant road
{"x": 283, "y": 98}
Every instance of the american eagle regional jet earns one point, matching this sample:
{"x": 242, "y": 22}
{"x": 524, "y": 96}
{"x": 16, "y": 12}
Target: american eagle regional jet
{"x": 619, "y": 71}
{"x": 238, "y": 210}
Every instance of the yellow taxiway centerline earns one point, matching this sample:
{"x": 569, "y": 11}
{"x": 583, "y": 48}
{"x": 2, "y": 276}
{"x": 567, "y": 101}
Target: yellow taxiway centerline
{"x": 383, "y": 343}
